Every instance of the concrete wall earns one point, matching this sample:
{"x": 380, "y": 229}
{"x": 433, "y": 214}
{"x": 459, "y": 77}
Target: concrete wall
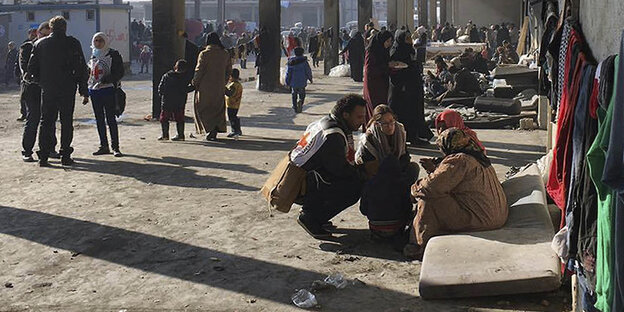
{"x": 602, "y": 22}
{"x": 485, "y": 12}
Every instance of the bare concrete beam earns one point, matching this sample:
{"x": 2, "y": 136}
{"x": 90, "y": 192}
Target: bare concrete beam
{"x": 365, "y": 13}
{"x": 270, "y": 52}
{"x": 332, "y": 30}
{"x": 423, "y": 16}
{"x": 443, "y": 8}
{"x": 167, "y": 28}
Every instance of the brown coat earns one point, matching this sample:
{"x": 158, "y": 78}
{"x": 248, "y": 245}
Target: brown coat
{"x": 214, "y": 66}
{"x": 459, "y": 196}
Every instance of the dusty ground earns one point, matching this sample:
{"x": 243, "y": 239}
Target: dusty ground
{"x": 181, "y": 226}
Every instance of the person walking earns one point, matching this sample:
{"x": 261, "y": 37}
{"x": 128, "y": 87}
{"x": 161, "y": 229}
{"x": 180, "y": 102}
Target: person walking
{"x": 106, "y": 70}
{"x": 313, "y": 49}
{"x": 298, "y": 73}
{"x": 377, "y": 71}
{"x": 406, "y": 96}
{"x": 356, "y": 50}
{"x": 58, "y": 65}
{"x": 214, "y": 67}
{"x": 31, "y": 95}
{"x": 10, "y": 63}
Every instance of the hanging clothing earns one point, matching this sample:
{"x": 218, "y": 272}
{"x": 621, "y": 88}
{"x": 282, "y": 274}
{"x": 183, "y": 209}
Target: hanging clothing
{"x": 596, "y": 160}
{"x": 406, "y": 96}
{"x": 376, "y": 72}
{"x": 613, "y": 177}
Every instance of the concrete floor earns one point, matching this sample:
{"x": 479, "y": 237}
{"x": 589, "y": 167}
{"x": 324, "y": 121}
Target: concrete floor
{"x": 180, "y": 226}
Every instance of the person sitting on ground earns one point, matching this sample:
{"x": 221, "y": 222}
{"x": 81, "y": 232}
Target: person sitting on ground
{"x": 510, "y": 52}
{"x": 385, "y": 197}
{"x": 298, "y": 73}
{"x": 437, "y": 84}
{"x": 173, "y": 89}
{"x": 465, "y": 84}
{"x": 233, "y": 95}
{"x": 452, "y": 119}
{"x": 326, "y": 153}
{"x": 461, "y": 194}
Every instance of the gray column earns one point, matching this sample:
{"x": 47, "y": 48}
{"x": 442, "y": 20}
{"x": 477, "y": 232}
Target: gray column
{"x": 270, "y": 52}
{"x": 443, "y": 8}
{"x": 423, "y": 14}
{"x": 405, "y": 14}
{"x": 365, "y": 13}
{"x": 197, "y": 8}
{"x": 168, "y": 43}
{"x": 221, "y": 13}
{"x": 433, "y": 14}
{"x": 332, "y": 30}
{"x": 392, "y": 14}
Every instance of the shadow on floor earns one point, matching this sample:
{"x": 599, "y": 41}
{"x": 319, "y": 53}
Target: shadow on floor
{"x": 248, "y": 143}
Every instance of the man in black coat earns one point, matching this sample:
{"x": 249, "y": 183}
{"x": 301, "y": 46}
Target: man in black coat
{"x": 333, "y": 182}
{"x": 58, "y": 65}
{"x": 24, "y": 53}
{"x": 10, "y": 62}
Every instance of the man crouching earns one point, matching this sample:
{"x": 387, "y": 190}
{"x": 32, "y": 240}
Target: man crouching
{"x": 326, "y": 153}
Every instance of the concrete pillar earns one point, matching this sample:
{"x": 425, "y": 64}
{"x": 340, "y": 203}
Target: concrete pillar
{"x": 168, "y": 43}
{"x": 423, "y": 14}
{"x": 332, "y": 30}
{"x": 433, "y": 13}
{"x": 319, "y": 21}
{"x": 405, "y": 14}
{"x": 196, "y": 13}
{"x": 392, "y": 14}
{"x": 443, "y": 8}
{"x": 221, "y": 13}
{"x": 365, "y": 13}
{"x": 270, "y": 51}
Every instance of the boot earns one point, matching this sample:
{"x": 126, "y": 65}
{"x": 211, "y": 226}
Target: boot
{"x": 180, "y": 135}
{"x": 165, "y": 131}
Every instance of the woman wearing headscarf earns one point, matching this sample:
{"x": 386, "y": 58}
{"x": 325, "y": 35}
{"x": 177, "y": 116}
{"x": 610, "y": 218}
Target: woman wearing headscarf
{"x": 452, "y": 119}
{"x": 105, "y": 72}
{"x": 377, "y": 71}
{"x": 213, "y": 70}
{"x": 355, "y": 49}
{"x": 406, "y": 90}
{"x": 386, "y": 196}
{"x": 461, "y": 194}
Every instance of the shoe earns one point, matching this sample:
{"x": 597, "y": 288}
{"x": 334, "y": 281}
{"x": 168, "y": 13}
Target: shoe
{"x": 299, "y": 108}
{"x": 177, "y": 138}
{"x": 21, "y": 118}
{"x": 101, "y": 151}
{"x": 315, "y": 230}
{"x": 28, "y": 158}
{"x": 67, "y": 161}
{"x": 44, "y": 163}
{"x": 55, "y": 155}
{"x": 163, "y": 138}
{"x": 328, "y": 226}
{"x": 117, "y": 153}
{"x": 231, "y": 134}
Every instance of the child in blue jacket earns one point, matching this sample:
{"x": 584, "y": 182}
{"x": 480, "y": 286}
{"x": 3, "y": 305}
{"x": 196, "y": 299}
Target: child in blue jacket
{"x": 297, "y": 75}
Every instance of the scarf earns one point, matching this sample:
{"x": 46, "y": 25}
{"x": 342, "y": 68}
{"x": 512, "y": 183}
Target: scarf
{"x": 381, "y": 145}
{"x": 455, "y": 141}
{"x": 452, "y": 119}
{"x": 376, "y": 46}
{"x": 402, "y": 51}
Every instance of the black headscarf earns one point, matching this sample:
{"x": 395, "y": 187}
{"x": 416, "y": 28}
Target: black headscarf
{"x": 454, "y": 141}
{"x": 213, "y": 39}
{"x": 376, "y": 46}
{"x": 401, "y": 50}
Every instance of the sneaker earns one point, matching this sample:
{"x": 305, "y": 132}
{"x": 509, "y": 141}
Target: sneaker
{"x": 231, "y": 134}
{"x": 315, "y": 230}
{"x": 101, "y": 151}
{"x": 67, "y": 161}
{"x": 44, "y": 163}
{"x": 21, "y": 118}
{"x": 299, "y": 107}
{"x": 117, "y": 153}
{"x": 163, "y": 138}
{"x": 177, "y": 138}
{"x": 55, "y": 155}
{"x": 28, "y": 158}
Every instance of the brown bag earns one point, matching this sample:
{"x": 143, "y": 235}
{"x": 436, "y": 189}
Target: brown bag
{"x": 284, "y": 185}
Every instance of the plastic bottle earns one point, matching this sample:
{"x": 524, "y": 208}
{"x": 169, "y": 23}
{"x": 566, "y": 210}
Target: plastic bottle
{"x": 337, "y": 280}
{"x": 304, "y": 299}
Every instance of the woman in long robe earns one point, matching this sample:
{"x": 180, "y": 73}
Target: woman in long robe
{"x": 377, "y": 71}
{"x": 355, "y": 48}
{"x": 214, "y": 66}
{"x": 406, "y": 90}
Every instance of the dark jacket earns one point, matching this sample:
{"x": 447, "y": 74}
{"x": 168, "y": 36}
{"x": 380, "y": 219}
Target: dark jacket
{"x": 173, "y": 88}
{"x": 330, "y": 160}
{"x": 298, "y": 72}
{"x": 58, "y": 65}
{"x": 24, "y": 56}
{"x": 117, "y": 68}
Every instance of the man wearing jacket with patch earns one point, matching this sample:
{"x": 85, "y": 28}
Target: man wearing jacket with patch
{"x": 297, "y": 75}
{"x": 327, "y": 154}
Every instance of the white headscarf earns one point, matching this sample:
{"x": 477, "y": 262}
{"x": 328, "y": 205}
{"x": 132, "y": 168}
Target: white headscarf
{"x": 104, "y": 50}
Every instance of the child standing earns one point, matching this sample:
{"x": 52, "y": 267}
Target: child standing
{"x": 173, "y": 88}
{"x": 145, "y": 57}
{"x": 297, "y": 75}
{"x": 233, "y": 95}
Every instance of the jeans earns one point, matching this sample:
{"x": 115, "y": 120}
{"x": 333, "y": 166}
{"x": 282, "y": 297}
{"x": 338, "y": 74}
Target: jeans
{"x": 23, "y": 109}
{"x": 298, "y": 93}
{"x": 146, "y": 65}
{"x": 103, "y": 102}
{"x": 234, "y": 120}
{"x": 31, "y": 95}
{"x": 53, "y": 105}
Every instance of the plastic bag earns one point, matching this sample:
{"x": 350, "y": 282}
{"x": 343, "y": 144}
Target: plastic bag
{"x": 340, "y": 71}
